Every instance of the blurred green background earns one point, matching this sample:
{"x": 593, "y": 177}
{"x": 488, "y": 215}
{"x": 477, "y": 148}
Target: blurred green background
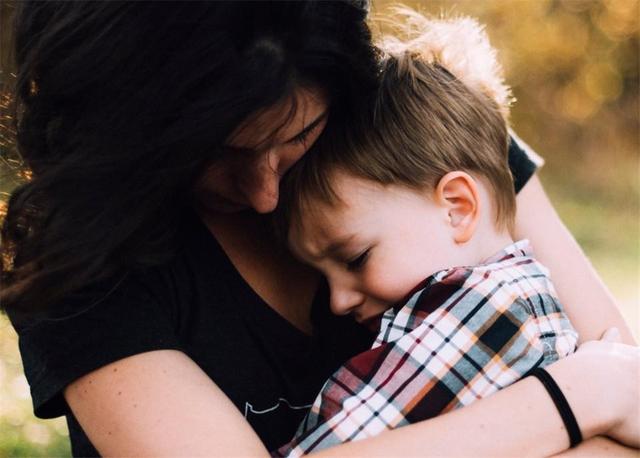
{"x": 574, "y": 69}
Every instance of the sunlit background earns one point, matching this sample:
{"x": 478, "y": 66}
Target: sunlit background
{"x": 573, "y": 66}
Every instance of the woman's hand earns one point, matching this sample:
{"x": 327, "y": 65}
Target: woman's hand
{"x": 619, "y": 362}
{"x": 601, "y": 384}
{"x": 622, "y": 363}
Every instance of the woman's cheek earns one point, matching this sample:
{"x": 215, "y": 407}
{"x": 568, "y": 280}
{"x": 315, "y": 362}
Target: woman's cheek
{"x": 290, "y": 158}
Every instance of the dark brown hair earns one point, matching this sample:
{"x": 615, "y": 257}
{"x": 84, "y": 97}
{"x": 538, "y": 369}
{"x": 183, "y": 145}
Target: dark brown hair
{"x": 122, "y": 105}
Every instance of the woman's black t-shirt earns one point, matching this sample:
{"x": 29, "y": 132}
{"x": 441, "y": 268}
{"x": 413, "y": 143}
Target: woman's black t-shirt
{"x": 200, "y": 305}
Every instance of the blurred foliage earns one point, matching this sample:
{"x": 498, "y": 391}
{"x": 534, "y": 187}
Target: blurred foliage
{"x": 574, "y": 69}
{"x": 21, "y": 434}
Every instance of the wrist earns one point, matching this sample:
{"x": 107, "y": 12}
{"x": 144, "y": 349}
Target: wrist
{"x": 562, "y": 405}
{"x": 594, "y": 413}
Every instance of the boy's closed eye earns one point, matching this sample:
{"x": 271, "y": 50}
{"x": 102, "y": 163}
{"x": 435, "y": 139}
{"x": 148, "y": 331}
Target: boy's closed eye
{"x": 358, "y": 262}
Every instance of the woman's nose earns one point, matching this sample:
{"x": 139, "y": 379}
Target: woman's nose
{"x": 261, "y": 187}
{"x": 344, "y": 300}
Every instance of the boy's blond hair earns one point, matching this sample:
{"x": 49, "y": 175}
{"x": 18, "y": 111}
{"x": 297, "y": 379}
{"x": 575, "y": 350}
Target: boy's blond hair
{"x": 429, "y": 116}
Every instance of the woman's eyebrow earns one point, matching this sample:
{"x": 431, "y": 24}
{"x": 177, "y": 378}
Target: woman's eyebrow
{"x": 309, "y": 126}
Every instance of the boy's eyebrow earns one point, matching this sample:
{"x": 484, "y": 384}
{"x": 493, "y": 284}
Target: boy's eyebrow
{"x": 309, "y": 126}
{"x": 336, "y": 246}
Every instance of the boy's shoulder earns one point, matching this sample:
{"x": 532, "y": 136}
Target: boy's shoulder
{"x": 516, "y": 260}
{"x": 512, "y": 273}
{"x": 511, "y": 280}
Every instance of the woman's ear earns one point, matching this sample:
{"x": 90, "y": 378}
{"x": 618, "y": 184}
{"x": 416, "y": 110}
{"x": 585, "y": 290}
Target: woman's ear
{"x": 458, "y": 192}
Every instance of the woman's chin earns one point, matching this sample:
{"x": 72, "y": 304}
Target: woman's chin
{"x": 221, "y": 205}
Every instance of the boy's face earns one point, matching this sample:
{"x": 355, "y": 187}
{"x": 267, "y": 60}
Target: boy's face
{"x": 376, "y": 247}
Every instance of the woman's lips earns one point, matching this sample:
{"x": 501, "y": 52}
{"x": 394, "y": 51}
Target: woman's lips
{"x": 222, "y": 204}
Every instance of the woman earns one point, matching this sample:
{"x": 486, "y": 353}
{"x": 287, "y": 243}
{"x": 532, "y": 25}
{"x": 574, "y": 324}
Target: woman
{"x": 154, "y": 308}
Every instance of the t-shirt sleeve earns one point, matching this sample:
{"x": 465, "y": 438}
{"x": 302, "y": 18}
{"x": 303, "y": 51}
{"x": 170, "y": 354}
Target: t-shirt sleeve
{"x": 523, "y": 161}
{"x": 98, "y": 327}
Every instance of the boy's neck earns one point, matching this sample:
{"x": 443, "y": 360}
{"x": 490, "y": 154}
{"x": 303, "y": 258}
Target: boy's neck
{"x": 486, "y": 242}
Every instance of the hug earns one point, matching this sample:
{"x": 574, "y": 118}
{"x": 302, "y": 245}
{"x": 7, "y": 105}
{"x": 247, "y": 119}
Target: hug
{"x": 165, "y": 309}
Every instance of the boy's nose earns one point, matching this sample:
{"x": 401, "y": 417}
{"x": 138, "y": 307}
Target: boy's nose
{"x": 345, "y": 300}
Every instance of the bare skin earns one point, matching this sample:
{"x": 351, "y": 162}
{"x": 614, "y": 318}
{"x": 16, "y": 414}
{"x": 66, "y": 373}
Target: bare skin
{"x": 588, "y": 302}
{"x": 122, "y": 416}
{"x": 599, "y": 446}
{"x": 118, "y": 405}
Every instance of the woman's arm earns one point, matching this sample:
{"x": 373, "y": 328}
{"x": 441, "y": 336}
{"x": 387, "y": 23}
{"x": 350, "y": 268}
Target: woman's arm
{"x": 521, "y": 420}
{"x": 586, "y": 299}
{"x": 599, "y": 447}
{"x": 158, "y": 404}
{"x": 161, "y": 404}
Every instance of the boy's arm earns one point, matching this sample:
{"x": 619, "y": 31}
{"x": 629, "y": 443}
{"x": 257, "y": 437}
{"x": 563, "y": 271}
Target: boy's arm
{"x": 589, "y": 305}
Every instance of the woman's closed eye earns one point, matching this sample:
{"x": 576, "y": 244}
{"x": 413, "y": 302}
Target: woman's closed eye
{"x": 359, "y": 261}
{"x": 302, "y": 136}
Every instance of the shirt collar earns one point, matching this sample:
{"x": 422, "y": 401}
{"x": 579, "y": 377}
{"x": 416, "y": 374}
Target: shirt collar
{"x": 516, "y": 249}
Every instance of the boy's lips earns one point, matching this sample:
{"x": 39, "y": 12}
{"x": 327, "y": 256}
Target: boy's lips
{"x": 372, "y": 323}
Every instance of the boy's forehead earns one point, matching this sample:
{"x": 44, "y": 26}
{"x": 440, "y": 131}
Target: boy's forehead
{"x": 321, "y": 225}
{"x": 317, "y": 226}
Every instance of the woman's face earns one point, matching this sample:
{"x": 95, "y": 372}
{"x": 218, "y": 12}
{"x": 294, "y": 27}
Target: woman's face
{"x": 259, "y": 152}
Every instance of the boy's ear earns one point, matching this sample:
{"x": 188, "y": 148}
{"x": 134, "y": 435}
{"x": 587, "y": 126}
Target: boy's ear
{"x": 458, "y": 192}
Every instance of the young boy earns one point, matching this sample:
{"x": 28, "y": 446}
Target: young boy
{"x": 384, "y": 209}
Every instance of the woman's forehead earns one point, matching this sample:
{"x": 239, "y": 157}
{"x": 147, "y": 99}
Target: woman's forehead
{"x": 281, "y": 122}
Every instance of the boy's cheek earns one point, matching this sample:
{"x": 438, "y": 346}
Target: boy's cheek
{"x": 386, "y": 287}
{"x": 392, "y": 286}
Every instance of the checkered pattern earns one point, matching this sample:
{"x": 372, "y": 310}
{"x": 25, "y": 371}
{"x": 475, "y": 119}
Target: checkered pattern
{"x": 464, "y": 334}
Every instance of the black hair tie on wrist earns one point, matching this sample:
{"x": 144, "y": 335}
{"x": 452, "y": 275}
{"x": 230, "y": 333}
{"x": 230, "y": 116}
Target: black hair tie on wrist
{"x": 568, "y": 418}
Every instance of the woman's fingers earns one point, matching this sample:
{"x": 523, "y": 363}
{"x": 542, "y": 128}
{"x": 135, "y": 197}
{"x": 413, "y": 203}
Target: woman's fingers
{"x": 612, "y": 335}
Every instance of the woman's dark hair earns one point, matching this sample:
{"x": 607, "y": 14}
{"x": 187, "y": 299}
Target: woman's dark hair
{"x": 121, "y": 105}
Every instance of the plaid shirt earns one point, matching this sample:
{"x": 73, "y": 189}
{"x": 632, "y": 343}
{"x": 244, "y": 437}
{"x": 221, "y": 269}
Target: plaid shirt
{"x": 466, "y": 333}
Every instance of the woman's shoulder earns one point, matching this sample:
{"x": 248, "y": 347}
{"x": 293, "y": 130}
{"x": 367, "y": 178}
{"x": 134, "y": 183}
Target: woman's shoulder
{"x": 196, "y": 255}
{"x": 142, "y": 310}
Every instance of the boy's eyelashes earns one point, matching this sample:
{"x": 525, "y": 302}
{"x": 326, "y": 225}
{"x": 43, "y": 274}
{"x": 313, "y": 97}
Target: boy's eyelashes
{"x": 359, "y": 261}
